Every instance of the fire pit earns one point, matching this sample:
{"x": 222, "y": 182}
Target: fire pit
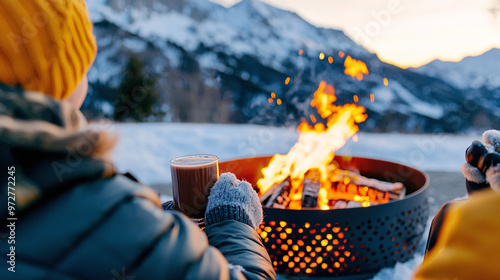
{"x": 351, "y": 243}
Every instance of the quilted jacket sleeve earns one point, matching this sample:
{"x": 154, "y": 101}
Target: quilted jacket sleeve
{"x": 115, "y": 229}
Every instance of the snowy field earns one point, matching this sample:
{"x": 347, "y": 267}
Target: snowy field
{"x": 145, "y": 149}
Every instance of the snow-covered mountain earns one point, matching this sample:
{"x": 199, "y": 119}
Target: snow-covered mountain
{"x": 221, "y": 64}
{"x": 471, "y": 72}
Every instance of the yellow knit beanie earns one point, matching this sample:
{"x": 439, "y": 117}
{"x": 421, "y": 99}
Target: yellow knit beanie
{"x": 45, "y": 45}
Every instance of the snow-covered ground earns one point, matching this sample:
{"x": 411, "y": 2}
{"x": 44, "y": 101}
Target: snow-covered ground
{"x": 145, "y": 149}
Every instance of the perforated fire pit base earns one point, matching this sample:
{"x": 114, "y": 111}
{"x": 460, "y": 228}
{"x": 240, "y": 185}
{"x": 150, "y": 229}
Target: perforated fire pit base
{"x": 347, "y": 243}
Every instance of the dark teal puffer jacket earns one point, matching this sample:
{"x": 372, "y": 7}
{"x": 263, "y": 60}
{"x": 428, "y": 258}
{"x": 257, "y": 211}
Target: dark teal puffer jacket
{"x": 77, "y": 219}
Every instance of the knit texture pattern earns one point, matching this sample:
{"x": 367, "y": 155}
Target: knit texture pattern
{"x": 46, "y": 45}
{"x": 232, "y": 199}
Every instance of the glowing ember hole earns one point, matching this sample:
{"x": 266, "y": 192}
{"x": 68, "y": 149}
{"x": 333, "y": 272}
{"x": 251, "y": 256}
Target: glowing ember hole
{"x": 283, "y": 224}
{"x": 318, "y": 249}
{"x": 341, "y": 54}
{"x": 287, "y": 81}
{"x": 302, "y": 265}
{"x": 313, "y": 265}
{"x": 284, "y": 247}
{"x": 308, "y": 248}
{"x": 296, "y": 259}
{"x": 301, "y": 254}
{"x": 313, "y": 254}
{"x": 263, "y": 235}
{"x": 300, "y": 230}
{"x": 273, "y": 246}
{"x": 290, "y": 253}
{"x": 336, "y": 229}
{"x": 319, "y": 259}
{"x": 324, "y": 242}
{"x": 307, "y": 225}
{"x": 318, "y": 237}
{"x": 372, "y": 97}
{"x": 324, "y": 266}
{"x": 296, "y": 270}
{"x": 308, "y": 270}
{"x": 321, "y": 56}
{"x": 336, "y": 253}
{"x": 270, "y": 100}
{"x": 329, "y": 236}
{"x": 356, "y": 98}
{"x": 283, "y": 235}
{"x": 341, "y": 259}
{"x": 347, "y": 253}
{"x": 330, "y": 59}
{"x": 285, "y": 258}
{"x": 279, "y": 102}
{"x": 288, "y": 230}
{"x": 301, "y": 52}
{"x": 341, "y": 235}
{"x": 386, "y": 82}
{"x": 289, "y": 241}
{"x": 336, "y": 264}
{"x": 272, "y": 223}
{"x": 295, "y": 247}
{"x": 335, "y": 242}
{"x": 307, "y": 259}
{"x": 329, "y": 248}
{"x": 300, "y": 242}
{"x": 273, "y": 95}
{"x": 268, "y": 229}
{"x": 291, "y": 264}
{"x": 314, "y": 242}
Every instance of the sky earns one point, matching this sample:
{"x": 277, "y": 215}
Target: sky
{"x": 407, "y": 33}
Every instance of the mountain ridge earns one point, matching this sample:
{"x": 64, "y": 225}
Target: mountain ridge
{"x": 239, "y": 55}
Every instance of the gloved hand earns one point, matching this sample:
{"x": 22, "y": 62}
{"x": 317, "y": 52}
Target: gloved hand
{"x": 232, "y": 199}
{"x": 478, "y": 179}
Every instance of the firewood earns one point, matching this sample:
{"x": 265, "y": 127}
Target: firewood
{"x": 310, "y": 189}
{"x": 382, "y": 186}
{"x": 280, "y": 196}
{"x": 353, "y": 204}
{"x": 340, "y": 204}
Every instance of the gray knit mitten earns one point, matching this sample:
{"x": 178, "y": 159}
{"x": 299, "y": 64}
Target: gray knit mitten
{"x": 232, "y": 199}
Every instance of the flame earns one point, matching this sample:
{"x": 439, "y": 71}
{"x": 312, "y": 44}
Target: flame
{"x": 386, "y": 82}
{"x": 316, "y": 147}
{"x": 355, "y": 68}
{"x": 322, "y": 56}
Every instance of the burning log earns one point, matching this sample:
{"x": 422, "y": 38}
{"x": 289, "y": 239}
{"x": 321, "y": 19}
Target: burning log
{"x": 395, "y": 190}
{"x": 310, "y": 189}
{"x": 278, "y": 196}
{"x": 382, "y": 186}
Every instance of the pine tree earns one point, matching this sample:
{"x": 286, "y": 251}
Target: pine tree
{"x": 137, "y": 93}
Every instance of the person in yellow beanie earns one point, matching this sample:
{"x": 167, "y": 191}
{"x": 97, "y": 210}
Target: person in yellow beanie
{"x": 68, "y": 213}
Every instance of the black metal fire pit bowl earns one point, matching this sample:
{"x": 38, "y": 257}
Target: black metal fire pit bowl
{"x": 345, "y": 243}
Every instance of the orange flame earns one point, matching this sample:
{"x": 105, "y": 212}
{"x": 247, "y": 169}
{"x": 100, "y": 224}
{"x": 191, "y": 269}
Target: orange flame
{"x": 316, "y": 146}
{"x": 355, "y": 68}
